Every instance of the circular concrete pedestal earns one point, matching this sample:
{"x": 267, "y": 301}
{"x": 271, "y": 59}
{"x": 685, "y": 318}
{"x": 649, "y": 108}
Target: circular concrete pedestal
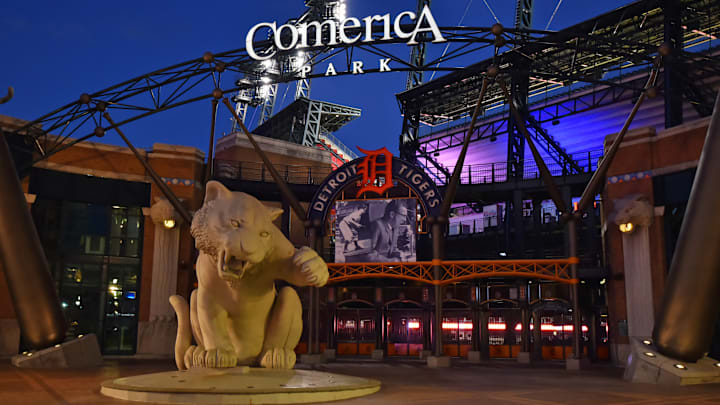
{"x": 241, "y": 385}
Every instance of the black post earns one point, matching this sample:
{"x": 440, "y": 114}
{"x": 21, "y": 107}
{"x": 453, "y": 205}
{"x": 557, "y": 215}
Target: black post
{"x": 484, "y": 332}
{"x": 437, "y": 243}
{"x": 211, "y": 148}
{"x": 673, "y": 80}
{"x": 577, "y": 315}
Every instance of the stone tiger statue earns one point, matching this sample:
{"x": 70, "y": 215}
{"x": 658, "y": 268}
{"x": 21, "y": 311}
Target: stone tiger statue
{"x": 235, "y": 315}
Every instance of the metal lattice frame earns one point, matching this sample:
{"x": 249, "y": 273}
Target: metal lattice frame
{"x": 451, "y": 97}
{"x": 324, "y": 116}
{"x": 583, "y": 53}
{"x": 453, "y": 271}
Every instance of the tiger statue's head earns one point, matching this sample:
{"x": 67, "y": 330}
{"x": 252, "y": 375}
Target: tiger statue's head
{"x": 236, "y": 230}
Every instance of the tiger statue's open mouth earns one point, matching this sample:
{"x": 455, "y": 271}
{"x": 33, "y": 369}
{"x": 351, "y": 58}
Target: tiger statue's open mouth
{"x": 232, "y": 267}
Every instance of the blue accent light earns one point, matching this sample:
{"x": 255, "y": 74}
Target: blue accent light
{"x": 130, "y": 295}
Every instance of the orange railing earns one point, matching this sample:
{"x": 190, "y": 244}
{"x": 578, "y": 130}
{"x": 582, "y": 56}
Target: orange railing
{"x": 453, "y": 271}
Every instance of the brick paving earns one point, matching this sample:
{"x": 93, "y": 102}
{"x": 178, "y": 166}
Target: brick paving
{"x": 404, "y": 382}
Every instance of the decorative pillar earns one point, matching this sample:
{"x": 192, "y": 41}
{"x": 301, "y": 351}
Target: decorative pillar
{"x": 157, "y": 335}
{"x": 636, "y": 210}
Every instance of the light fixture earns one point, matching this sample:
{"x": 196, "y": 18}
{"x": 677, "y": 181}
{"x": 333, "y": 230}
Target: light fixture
{"x": 680, "y": 366}
{"x": 79, "y": 336}
{"x": 717, "y": 364}
{"x": 647, "y": 342}
{"x": 649, "y": 354}
{"x": 627, "y": 227}
{"x": 503, "y": 254}
{"x": 57, "y": 345}
{"x": 169, "y": 223}
{"x": 603, "y": 281}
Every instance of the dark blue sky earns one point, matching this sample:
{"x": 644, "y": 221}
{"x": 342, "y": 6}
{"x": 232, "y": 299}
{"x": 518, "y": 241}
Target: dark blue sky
{"x": 55, "y": 50}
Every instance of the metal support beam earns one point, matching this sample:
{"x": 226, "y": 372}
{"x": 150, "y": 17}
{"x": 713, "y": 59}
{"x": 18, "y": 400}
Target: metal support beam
{"x": 673, "y": 83}
{"x": 418, "y": 53}
{"x": 268, "y": 106}
{"x": 410, "y": 133}
{"x": 519, "y": 91}
{"x": 437, "y": 232}
{"x": 575, "y": 290}
{"x": 164, "y": 189}
{"x": 31, "y": 288}
{"x": 691, "y": 303}
{"x": 211, "y": 147}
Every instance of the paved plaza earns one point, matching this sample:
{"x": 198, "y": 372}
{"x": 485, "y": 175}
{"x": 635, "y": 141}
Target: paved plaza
{"x": 404, "y": 382}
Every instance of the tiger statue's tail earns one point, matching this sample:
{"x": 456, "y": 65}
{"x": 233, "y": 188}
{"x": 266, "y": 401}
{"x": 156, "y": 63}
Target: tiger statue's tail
{"x": 183, "y": 339}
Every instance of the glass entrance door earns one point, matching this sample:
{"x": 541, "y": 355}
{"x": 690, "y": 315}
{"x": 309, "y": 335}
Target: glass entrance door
{"x": 121, "y": 309}
{"x": 98, "y": 264}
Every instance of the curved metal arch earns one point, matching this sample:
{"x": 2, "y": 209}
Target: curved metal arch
{"x": 457, "y": 301}
{"x": 515, "y": 303}
{"x": 417, "y": 304}
{"x": 538, "y": 303}
{"x": 368, "y": 303}
{"x": 194, "y": 80}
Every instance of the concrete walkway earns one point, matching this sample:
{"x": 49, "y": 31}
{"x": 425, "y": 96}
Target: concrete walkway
{"x": 404, "y": 382}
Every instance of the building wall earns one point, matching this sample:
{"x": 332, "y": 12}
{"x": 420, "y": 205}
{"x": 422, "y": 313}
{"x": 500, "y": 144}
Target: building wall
{"x": 644, "y": 154}
{"x": 182, "y": 168}
{"x": 236, "y": 147}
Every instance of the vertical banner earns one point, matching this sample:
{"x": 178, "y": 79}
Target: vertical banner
{"x": 375, "y": 230}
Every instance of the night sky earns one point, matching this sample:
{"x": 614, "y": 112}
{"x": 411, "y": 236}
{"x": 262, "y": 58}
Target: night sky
{"x": 55, "y": 50}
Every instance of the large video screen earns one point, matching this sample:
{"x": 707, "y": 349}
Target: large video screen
{"x": 375, "y": 230}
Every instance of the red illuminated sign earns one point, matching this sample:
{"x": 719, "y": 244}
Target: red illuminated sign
{"x": 375, "y": 166}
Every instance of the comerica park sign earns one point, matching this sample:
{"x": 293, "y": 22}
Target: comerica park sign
{"x": 348, "y": 31}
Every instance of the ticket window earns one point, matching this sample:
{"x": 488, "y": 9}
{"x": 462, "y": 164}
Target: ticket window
{"x": 405, "y": 335}
{"x": 347, "y": 329}
{"x": 457, "y": 330}
{"x": 366, "y": 329}
{"x": 457, "y": 335}
{"x": 496, "y": 330}
{"x": 355, "y": 332}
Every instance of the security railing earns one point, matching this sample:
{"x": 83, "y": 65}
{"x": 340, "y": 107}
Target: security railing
{"x": 256, "y": 171}
{"x": 487, "y": 173}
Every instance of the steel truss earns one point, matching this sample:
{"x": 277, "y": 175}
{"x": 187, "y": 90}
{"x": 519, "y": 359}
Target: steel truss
{"x": 577, "y": 102}
{"x": 598, "y": 52}
{"x": 310, "y": 122}
{"x": 583, "y": 53}
{"x": 454, "y": 271}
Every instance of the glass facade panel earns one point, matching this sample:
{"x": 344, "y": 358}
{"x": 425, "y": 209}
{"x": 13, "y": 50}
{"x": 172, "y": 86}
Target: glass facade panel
{"x": 98, "y": 263}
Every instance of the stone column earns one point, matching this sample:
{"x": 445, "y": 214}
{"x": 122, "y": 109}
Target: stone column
{"x": 156, "y": 336}
{"x": 637, "y": 211}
